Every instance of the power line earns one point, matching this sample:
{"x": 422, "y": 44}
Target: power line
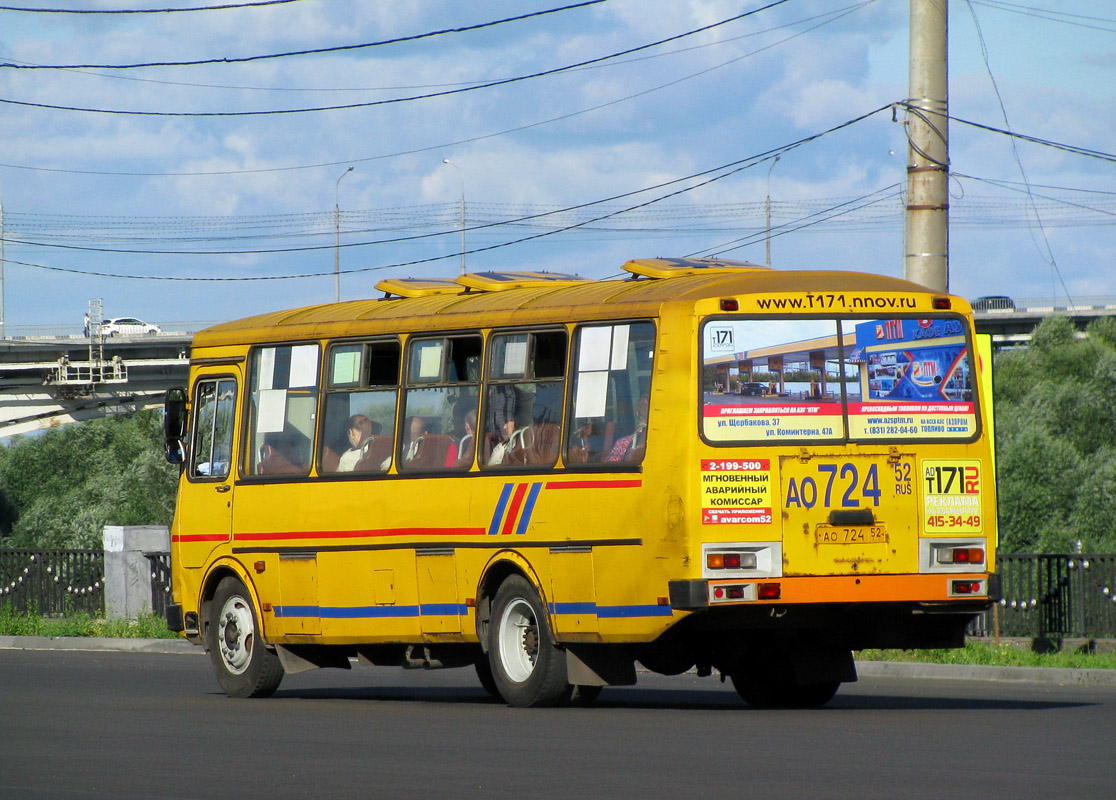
{"x": 315, "y": 51}
{"x": 102, "y": 11}
{"x": 394, "y": 100}
{"x": 708, "y": 176}
{"x": 840, "y": 13}
{"x": 834, "y": 14}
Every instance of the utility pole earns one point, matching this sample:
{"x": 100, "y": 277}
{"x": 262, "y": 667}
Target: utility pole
{"x": 2, "y": 332}
{"x": 337, "y": 237}
{"x": 927, "y": 236}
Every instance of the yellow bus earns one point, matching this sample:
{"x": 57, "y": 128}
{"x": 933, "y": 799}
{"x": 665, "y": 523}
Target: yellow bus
{"x": 707, "y": 465}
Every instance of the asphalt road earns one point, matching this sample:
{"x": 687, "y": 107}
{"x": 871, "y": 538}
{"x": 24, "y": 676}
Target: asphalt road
{"x": 142, "y": 725}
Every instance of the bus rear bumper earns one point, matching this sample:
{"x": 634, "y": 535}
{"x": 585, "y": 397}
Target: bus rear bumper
{"x": 954, "y": 588}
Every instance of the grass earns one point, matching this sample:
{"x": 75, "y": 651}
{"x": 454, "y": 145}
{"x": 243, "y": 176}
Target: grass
{"x": 148, "y": 626}
{"x": 1002, "y": 655}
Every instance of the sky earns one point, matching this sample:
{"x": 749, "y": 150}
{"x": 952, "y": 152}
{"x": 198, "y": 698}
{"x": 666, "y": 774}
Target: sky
{"x": 628, "y": 146}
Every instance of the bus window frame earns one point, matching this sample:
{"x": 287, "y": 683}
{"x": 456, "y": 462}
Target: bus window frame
{"x": 243, "y": 473}
{"x": 487, "y": 382}
{"x": 189, "y": 463}
{"x": 843, "y": 441}
{"x": 326, "y": 389}
{"x": 401, "y": 416}
{"x": 568, "y": 417}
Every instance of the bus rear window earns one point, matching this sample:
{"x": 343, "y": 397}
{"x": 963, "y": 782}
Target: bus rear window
{"x": 817, "y": 380}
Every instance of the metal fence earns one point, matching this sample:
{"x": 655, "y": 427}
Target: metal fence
{"x": 1054, "y": 596}
{"x": 1044, "y": 596}
{"x": 160, "y": 582}
{"x": 53, "y": 582}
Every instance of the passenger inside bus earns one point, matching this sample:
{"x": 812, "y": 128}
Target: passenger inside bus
{"x": 363, "y": 434}
{"x": 416, "y": 432}
{"x": 631, "y": 447}
{"x": 465, "y": 417}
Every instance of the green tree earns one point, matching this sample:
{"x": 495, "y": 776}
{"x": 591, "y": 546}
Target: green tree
{"x": 61, "y": 488}
{"x": 1056, "y": 440}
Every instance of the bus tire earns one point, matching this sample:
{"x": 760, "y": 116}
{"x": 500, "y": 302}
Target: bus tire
{"x": 771, "y": 691}
{"x": 484, "y": 675}
{"x": 527, "y": 667}
{"x": 245, "y": 666}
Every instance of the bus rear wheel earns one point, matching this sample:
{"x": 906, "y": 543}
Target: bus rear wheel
{"x": 781, "y": 691}
{"x": 245, "y": 666}
{"x": 527, "y": 667}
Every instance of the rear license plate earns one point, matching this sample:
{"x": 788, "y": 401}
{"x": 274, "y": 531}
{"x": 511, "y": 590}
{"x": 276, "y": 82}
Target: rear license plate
{"x": 850, "y": 534}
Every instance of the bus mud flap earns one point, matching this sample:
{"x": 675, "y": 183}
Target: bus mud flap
{"x": 596, "y": 665}
{"x": 307, "y": 657}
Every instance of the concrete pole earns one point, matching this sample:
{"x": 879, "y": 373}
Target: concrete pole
{"x": 927, "y": 239}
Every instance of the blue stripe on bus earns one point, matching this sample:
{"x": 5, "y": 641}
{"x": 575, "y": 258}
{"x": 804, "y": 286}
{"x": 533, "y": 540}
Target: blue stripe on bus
{"x": 361, "y": 612}
{"x": 498, "y": 515}
{"x": 443, "y": 610}
{"x": 529, "y": 506}
{"x": 611, "y": 612}
{"x": 573, "y": 608}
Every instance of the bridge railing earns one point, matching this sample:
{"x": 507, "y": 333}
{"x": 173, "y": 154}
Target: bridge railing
{"x": 74, "y": 331}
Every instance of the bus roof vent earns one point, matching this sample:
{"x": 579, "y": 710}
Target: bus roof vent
{"x": 418, "y": 287}
{"x": 502, "y": 281}
{"x": 676, "y": 267}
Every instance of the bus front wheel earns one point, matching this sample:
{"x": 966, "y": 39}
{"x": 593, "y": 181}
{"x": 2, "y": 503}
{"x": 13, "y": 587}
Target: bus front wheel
{"x": 245, "y": 666}
{"x": 527, "y": 667}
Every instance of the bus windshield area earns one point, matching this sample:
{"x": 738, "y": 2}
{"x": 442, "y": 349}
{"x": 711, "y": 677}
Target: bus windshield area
{"x": 781, "y": 380}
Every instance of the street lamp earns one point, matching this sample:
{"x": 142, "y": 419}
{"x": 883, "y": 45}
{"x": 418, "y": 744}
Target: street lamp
{"x": 767, "y": 209}
{"x": 462, "y": 173}
{"x": 337, "y": 237}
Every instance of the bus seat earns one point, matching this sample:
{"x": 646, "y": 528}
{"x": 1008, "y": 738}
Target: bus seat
{"x": 432, "y": 452}
{"x": 543, "y": 442}
{"x": 379, "y": 452}
{"x": 272, "y": 462}
{"x": 330, "y": 459}
{"x": 468, "y": 449}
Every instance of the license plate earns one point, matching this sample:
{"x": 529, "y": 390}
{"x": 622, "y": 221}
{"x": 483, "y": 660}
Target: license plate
{"x": 850, "y": 534}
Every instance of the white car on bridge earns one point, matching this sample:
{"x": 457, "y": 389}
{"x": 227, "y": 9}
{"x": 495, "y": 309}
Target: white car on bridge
{"x": 128, "y": 326}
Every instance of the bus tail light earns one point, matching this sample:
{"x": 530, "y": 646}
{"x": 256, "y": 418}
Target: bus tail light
{"x": 967, "y": 587}
{"x": 731, "y": 592}
{"x": 730, "y": 304}
{"x": 960, "y": 555}
{"x": 769, "y": 591}
{"x": 941, "y": 303}
{"x": 730, "y": 560}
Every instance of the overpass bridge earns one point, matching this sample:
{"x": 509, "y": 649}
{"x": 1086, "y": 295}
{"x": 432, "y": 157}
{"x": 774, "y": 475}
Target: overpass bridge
{"x": 50, "y": 375}
{"x": 50, "y": 378}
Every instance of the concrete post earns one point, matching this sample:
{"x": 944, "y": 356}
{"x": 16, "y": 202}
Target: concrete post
{"x": 127, "y": 570}
{"x": 927, "y": 239}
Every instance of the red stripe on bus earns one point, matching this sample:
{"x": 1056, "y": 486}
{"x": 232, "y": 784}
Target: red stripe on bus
{"x": 200, "y": 537}
{"x": 596, "y": 485}
{"x": 513, "y": 511}
{"x": 254, "y": 537}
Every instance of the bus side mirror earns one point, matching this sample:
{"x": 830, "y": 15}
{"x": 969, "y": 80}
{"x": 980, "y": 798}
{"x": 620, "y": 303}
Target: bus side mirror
{"x": 174, "y": 425}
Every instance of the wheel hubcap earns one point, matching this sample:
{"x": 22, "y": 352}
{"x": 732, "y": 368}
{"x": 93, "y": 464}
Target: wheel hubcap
{"x": 235, "y": 635}
{"x": 519, "y": 640}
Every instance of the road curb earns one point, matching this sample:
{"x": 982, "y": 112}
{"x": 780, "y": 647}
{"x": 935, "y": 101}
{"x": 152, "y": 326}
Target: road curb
{"x": 866, "y": 669}
{"x": 96, "y": 644}
{"x": 1061, "y": 676}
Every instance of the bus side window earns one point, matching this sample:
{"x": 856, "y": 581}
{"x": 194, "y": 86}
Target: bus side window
{"x": 214, "y": 417}
{"x": 611, "y": 393}
{"x": 437, "y": 429}
{"x": 284, "y": 401}
{"x": 523, "y": 398}
{"x": 358, "y": 416}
